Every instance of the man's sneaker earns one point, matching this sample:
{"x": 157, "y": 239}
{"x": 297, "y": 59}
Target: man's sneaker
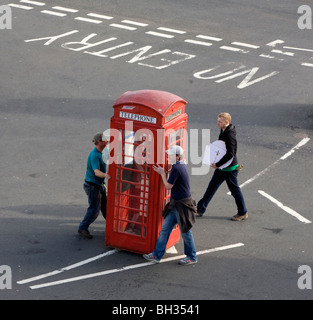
{"x": 150, "y": 257}
{"x": 237, "y": 217}
{"x": 85, "y": 234}
{"x": 187, "y": 261}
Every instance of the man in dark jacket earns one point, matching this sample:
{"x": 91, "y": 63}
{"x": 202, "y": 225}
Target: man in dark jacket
{"x": 180, "y": 210}
{"x": 229, "y": 174}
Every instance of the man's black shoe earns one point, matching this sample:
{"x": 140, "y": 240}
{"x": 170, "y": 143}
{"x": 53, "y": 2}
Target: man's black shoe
{"x": 85, "y": 234}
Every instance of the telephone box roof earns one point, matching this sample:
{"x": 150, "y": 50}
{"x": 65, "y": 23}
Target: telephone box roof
{"x": 160, "y": 101}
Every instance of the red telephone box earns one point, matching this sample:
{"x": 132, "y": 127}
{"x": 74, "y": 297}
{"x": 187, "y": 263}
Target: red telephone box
{"x": 145, "y": 124}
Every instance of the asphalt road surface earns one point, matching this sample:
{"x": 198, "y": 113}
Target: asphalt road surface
{"x": 62, "y": 68}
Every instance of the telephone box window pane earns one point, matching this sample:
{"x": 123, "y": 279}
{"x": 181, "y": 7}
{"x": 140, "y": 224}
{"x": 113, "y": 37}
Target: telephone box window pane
{"x": 130, "y": 228}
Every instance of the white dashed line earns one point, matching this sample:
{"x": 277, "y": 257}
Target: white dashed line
{"x": 171, "y": 30}
{"x": 121, "y": 26}
{"x": 34, "y": 3}
{"x": 201, "y": 43}
{"x": 307, "y": 65}
{"x": 161, "y": 35}
{"x": 88, "y": 20}
{"x": 200, "y": 36}
{"x": 53, "y": 13}
{"x": 247, "y": 45}
{"x": 65, "y": 9}
{"x": 233, "y": 49}
{"x": 19, "y": 6}
{"x": 99, "y": 16}
{"x": 298, "y": 49}
{"x": 135, "y": 23}
{"x": 290, "y": 54}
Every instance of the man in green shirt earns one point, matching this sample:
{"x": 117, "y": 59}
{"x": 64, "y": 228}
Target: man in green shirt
{"x": 229, "y": 174}
{"x": 94, "y": 185}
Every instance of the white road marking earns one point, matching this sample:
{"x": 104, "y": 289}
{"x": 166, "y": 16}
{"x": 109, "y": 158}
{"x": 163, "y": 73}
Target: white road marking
{"x": 172, "y": 30}
{"x": 131, "y": 267}
{"x": 73, "y": 266}
{"x": 13, "y": 5}
{"x": 283, "y": 207}
{"x": 307, "y": 65}
{"x": 284, "y": 157}
{"x": 298, "y": 146}
{"x": 299, "y": 49}
{"x": 99, "y": 16}
{"x": 65, "y": 9}
{"x": 53, "y": 13}
{"x": 247, "y": 45}
{"x": 201, "y": 43}
{"x": 274, "y": 43}
{"x": 88, "y": 20}
{"x": 290, "y": 54}
{"x": 233, "y": 49}
{"x": 200, "y": 36}
{"x": 121, "y": 26}
{"x": 35, "y": 3}
{"x": 135, "y": 23}
{"x": 158, "y": 34}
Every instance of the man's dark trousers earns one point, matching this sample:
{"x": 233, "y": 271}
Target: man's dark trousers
{"x": 232, "y": 182}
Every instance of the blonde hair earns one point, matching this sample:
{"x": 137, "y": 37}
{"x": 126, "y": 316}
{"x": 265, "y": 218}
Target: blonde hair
{"x": 226, "y": 116}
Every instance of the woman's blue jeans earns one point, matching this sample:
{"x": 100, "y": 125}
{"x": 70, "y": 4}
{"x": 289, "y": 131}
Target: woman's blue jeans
{"x": 169, "y": 223}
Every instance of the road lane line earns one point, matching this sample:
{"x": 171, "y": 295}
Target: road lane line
{"x": 247, "y": 45}
{"x": 172, "y": 30}
{"x": 65, "y": 9}
{"x": 53, "y": 13}
{"x": 88, "y": 20}
{"x": 201, "y": 43}
{"x": 307, "y": 65}
{"x": 159, "y": 34}
{"x": 131, "y": 267}
{"x": 100, "y": 16}
{"x": 121, "y": 26}
{"x": 73, "y": 266}
{"x": 35, "y": 3}
{"x": 285, "y": 208}
{"x": 200, "y": 36}
{"x": 284, "y": 157}
{"x": 13, "y": 5}
{"x": 135, "y": 23}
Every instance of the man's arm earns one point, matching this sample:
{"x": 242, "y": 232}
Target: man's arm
{"x": 161, "y": 172}
{"x": 101, "y": 174}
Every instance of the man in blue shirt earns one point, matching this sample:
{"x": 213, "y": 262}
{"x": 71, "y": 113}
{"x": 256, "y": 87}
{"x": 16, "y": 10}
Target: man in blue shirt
{"x": 94, "y": 185}
{"x": 180, "y": 210}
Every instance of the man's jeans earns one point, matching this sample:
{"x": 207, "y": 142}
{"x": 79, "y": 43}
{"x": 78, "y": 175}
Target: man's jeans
{"x": 97, "y": 200}
{"x": 169, "y": 223}
{"x": 231, "y": 179}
